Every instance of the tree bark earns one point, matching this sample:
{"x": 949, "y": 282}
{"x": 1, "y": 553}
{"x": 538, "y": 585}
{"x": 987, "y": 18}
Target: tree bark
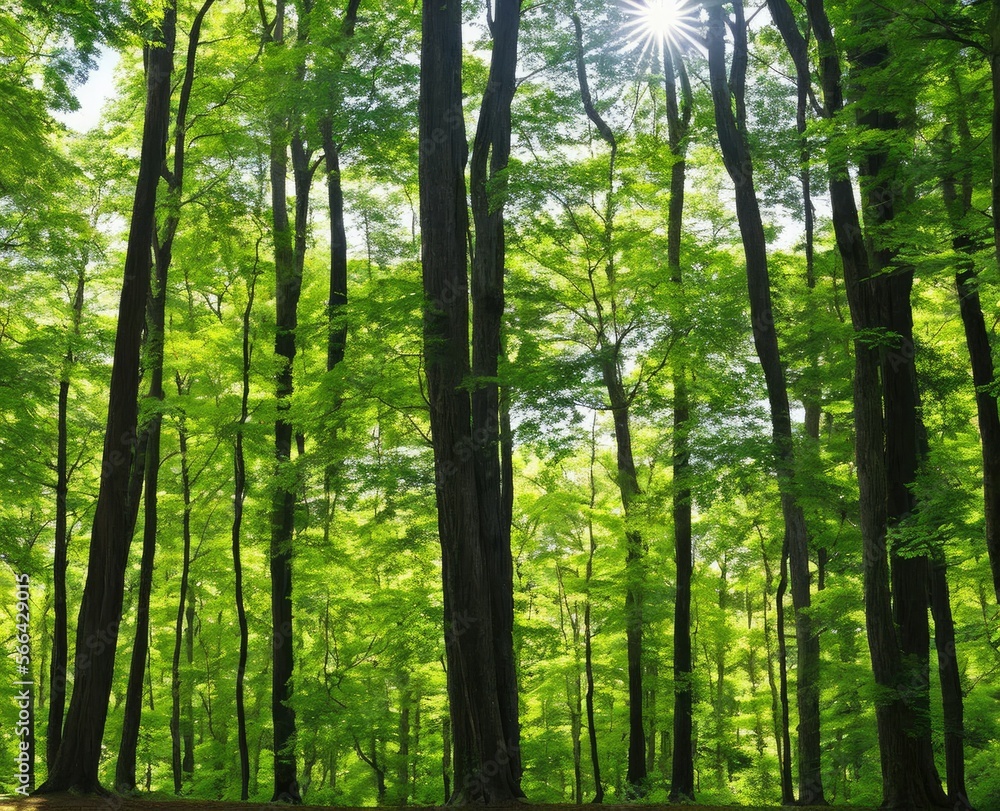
{"x": 175, "y": 669}
{"x": 908, "y": 779}
{"x": 682, "y": 759}
{"x": 289, "y": 258}
{"x": 737, "y": 158}
{"x": 60, "y": 636}
{"x": 78, "y": 757}
{"x": 239, "y": 496}
{"x": 482, "y": 760}
{"x": 155, "y": 336}
{"x": 588, "y": 653}
{"x": 490, "y": 155}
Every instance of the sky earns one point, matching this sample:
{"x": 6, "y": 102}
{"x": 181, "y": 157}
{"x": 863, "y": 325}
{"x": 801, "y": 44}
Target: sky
{"x": 93, "y": 93}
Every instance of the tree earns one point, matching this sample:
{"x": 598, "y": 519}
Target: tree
{"x": 482, "y": 756}
{"x": 909, "y": 777}
{"x": 678, "y": 127}
{"x": 77, "y": 760}
{"x": 736, "y": 155}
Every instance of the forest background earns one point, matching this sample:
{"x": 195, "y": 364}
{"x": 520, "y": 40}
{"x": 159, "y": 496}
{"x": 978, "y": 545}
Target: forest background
{"x": 283, "y": 433}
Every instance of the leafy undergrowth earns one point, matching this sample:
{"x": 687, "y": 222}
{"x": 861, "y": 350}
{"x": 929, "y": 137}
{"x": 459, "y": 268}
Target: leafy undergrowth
{"x": 70, "y": 802}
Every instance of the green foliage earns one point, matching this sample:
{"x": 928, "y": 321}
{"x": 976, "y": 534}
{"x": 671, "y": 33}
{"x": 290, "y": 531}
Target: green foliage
{"x": 587, "y": 289}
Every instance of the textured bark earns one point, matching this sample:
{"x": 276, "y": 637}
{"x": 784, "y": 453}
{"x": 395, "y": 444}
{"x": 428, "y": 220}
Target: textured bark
{"x": 78, "y": 757}
{"x": 490, "y": 155}
{"x": 737, "y": 158}
{"x": 909, "y": 781}
{"x": 482, "y": 760}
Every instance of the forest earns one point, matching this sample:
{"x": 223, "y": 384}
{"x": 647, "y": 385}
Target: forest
{"x": 570, "y": 401}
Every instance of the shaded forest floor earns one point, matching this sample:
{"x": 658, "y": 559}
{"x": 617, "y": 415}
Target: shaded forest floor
{"x": 70, "y": 802}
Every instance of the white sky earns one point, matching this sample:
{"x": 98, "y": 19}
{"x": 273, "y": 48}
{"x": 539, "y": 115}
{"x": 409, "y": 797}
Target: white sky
{"x": 93, "y": 93}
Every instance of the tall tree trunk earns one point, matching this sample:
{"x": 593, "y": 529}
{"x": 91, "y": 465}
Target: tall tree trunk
{"x": 905, "y": 439}
{"x": 155, "y": 336}
{"x": 678, "y": 122}
{"x": 239, "y": 495}
{"x": 151, "y": 437}
{"x": 787, "y": 793}
{"x": 78, "y": 757}
{"x": 289, "y": 258}
{"x": 610, "y": 361}
{"x": 60, "y": 636}
{"x": 182, "y": 602}
{"x": 951, "y": 686}
{"x": 908, "y": 780}
{"x": 490, "y": 155}
{"x": 588, "y": 653}
{"x": 959, "y": 203}
{"x": 736, "y": 156}
{"x": 482, "y": 760}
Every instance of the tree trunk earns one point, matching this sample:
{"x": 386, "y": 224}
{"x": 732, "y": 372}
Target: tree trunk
{"x": 155, "y": 336}
{"x": 588, "y": 654}
{"x": 60, "y": 636}
{"x": 239, "y": 495}
{"x": 151, "y": 437}
{"x": 682, "y": 761}
{"x": 736, "y": 156}
{"x": 490, "y": 155}
{"x": 951, "y": 686}
{"x": 78, "y": 757}
{"x": 175, "y": 670}
{"x": 289, "y": 257}
{"x": 787, "y": 793}
{"x": 908, "y": 779}
{"x": 482, "y": 759}
{"x": 610, "y": 366}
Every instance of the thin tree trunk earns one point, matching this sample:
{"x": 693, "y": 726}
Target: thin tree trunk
{"x": 779, "y": 699}
{"x": 588, "y": 654}
{"x": 628, "y": 483}
{"x": 187, "y": 718}
{"x": 77, "y": 760}
{"x": 175, "y": 670}
{"x": 787, "y": 793}
{"x": 736, "y": 156}
{"x": 239, "y": 495}
{"x": 60, "y": 636}
{"x": 682, "y": 761}
{"x": 951, "y": 686}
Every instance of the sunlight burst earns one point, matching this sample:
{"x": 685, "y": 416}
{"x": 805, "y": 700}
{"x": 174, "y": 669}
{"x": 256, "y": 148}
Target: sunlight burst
{"x": 659, "y": 23}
